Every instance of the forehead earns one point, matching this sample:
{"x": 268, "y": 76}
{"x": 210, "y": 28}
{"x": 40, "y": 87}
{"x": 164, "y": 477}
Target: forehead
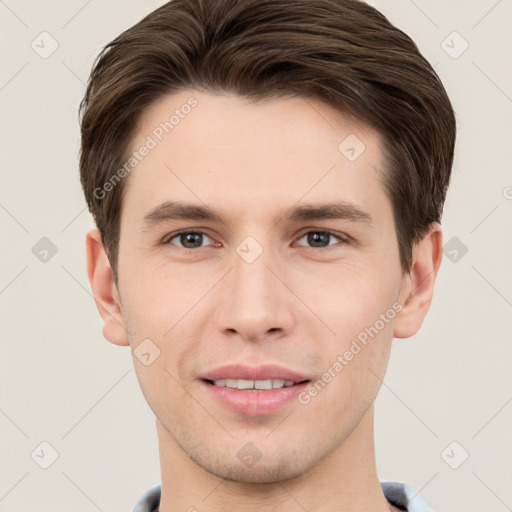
{"x": 223, "y": 149}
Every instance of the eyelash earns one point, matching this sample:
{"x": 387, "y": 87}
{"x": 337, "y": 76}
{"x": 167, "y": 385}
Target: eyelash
{"x": 177, "y": 234}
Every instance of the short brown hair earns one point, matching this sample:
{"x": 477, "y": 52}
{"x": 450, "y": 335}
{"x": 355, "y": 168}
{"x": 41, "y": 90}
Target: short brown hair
{"x": 342, "y": 52}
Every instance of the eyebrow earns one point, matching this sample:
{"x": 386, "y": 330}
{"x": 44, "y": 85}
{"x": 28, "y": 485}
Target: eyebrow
{"x": 177, "y": 210}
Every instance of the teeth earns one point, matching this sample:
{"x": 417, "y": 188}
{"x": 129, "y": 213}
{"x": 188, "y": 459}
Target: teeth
{"x": 254, "y": 384}
{"x": 244, "y": 384}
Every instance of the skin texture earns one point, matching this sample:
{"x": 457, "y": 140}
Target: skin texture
{"x": 299, "y": 305}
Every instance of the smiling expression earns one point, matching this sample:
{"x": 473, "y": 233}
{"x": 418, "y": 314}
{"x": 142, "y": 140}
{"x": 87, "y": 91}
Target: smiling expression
{"x": 250, "y": 238}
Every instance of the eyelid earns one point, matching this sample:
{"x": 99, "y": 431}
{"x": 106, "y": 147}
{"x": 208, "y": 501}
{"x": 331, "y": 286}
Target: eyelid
{"x": 345, "y": 239}
{"x": 171, "y": 236}
{"x": 341, "y": 237}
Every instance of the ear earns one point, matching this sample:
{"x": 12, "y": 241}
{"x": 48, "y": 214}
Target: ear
{"x": 418, "y": 284}
{"x": 104, "y": 289}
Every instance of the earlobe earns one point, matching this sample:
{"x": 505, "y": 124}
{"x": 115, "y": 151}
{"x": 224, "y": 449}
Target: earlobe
{"x": 104, "y": 289}
{"x": 418, "y": 285}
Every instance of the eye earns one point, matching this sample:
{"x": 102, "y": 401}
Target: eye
{"x": 321, "y": 238}
{"x": 187, "y": 239}
{"x": 195, "y": 239}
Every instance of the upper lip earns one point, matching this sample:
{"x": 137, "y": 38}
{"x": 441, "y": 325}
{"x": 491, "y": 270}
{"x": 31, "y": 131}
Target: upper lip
{"x": 264, "y": 372}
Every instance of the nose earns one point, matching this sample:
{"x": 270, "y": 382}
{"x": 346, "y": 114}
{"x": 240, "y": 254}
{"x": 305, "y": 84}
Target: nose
{"x": 255, "y": 302}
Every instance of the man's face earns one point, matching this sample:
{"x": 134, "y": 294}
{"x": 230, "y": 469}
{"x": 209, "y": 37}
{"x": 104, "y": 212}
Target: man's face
{"x": 260, "y": 285}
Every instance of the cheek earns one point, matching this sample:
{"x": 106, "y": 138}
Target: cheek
{"x": 349, "y": 297}
{"x": 158, "y": 311}
{"x": 356, "y": 303}
{"x": 154, "y": 301}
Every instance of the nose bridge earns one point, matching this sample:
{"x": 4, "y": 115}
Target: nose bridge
{"x": 255, "y": 302}
{"x": 252, "y": 278}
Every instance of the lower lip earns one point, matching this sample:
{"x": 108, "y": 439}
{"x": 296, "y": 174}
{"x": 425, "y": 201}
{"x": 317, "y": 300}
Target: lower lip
{"x": 255, "y": 403}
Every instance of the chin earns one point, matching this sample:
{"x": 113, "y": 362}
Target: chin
{"x": 260, "y": 469}
{"x": 264, "y": 474}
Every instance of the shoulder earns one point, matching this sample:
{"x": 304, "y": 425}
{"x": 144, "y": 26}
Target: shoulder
{"x": 149, "y": 501}
{"x": 404, "y": 496}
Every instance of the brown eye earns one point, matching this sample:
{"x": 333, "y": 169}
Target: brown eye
{"x": 319, "y": 239}
{"x": 188, "y": 239}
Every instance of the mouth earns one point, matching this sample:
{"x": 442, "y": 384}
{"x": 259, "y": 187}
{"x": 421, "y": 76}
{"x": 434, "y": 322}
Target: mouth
{"x": 254, "y": 391}
{"x": 254, "y": 385}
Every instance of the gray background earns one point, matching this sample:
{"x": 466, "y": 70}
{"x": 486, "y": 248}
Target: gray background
{"x": 447, "y": 393}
